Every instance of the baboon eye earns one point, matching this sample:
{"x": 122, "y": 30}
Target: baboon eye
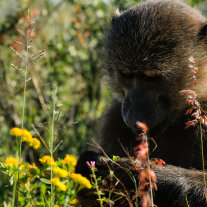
{"x": 151, "y": 77}
{"x": 126, "y": 74}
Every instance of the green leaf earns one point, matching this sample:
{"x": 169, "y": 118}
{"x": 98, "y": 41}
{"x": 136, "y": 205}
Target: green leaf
{"x": 115, "y": 158}
{"x": 44, "y": 180}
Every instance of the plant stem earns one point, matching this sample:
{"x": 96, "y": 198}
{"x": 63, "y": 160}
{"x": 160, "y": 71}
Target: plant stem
{"x": 98, "y": 191}
{"x": 150, "y": 182}
{"x": 51, "y": 142}
{"x": 15, "y": 181}
{"x": 25, "y": 83}
{"x": 24, "y": 101}
{"x": 203, "y": 163}
{"x": 14, "y": 193}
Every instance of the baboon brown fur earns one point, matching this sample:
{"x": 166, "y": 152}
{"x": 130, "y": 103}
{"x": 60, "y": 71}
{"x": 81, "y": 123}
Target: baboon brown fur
{"x": 146, "y": 63}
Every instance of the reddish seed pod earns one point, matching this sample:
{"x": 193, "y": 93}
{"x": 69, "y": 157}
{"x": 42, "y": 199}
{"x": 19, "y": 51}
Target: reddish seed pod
{"x": 141, "y": 151}
{"x": 146, "y": 175}
{"x": 142, "y": 126}
{"x": 205, "y": 117}
{"x": 191, "y": 66}
{"x": 188, "y": 93}
{"x": 196, "y": 114}
{"x": 191, "y": 60}
{"x": 154, "y": 186}
{"x": 156, "y": 161}
{"x": 195, "y": 69}
{"x": 160, "y": 162}
{"x": 146, "y": 200}
{"x": 202, "y": 120}
{"x": 136, "y": 167}
{"x": 143, "y": 188}
{"x": 189, "y": 111}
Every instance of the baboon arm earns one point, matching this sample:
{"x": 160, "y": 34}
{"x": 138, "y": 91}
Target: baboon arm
{"x": 176, "y": 186}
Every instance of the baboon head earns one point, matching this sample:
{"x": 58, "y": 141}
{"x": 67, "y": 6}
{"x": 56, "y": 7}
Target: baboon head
{"x": 147, "y": 52}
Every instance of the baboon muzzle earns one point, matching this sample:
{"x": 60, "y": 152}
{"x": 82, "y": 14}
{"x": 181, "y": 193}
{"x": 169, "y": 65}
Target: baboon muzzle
{"x": 142, "y": 106}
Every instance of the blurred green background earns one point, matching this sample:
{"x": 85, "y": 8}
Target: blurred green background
{"x": 71, "y": 34}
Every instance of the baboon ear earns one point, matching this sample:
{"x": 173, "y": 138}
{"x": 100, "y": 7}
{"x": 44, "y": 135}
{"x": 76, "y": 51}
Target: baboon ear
{"x": 203, "y": 33}
{"x": 116, "y": 15}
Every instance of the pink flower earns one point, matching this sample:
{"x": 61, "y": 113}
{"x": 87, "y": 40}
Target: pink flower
{"x": 91, "y": 164}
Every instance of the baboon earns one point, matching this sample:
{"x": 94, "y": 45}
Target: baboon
{"x": 147, "y": 64}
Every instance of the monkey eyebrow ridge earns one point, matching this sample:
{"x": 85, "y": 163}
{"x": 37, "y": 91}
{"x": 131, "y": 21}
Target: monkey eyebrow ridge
{"x": 136, "y": 72}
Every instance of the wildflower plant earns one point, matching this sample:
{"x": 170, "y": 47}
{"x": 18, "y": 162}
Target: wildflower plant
{"x": 48, "y": 182}
{"x": 95, "y": 183}
{"x": 22, "y": 49}
{"x": 146, "y": 175}
{"x": 195, "y": 112}
{"x": 34, "y": 179}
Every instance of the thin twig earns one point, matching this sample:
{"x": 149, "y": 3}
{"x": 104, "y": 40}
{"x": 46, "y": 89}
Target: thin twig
{"x": 43, "y": 141}
{"x": 61, "y": 141}
{"x": 203, "y": 162}
{"x": 52, "y": 140}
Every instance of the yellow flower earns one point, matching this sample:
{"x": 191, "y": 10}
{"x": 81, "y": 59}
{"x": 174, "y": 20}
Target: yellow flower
{"x": 69, "y": 159}
{"x": 60, "y": 172}
{"x": 74, "y": 201}
{"x": 60, "y": 185}
{"x": 12, "y": 161}
{"x": 33, "y": 166}
{"x": 56, "y": 205}
{"x": 48, "y": 160}
{"x": 26, "y": 136}
{"x": 81, "y": 180}
{"x": 55, "y": 181}
{"x": 22, "y": 166}
{"x": 35, "y": 143}
{"x": 16, "y": 131}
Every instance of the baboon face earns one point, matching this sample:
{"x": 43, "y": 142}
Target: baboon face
{"x": 147, "y": 54}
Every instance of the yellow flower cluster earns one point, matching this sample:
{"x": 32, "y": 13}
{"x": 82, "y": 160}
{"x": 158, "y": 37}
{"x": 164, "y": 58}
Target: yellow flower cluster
{"x": 69, "y": 159}
{"x": 26, "y": 137}
{"x": 35, "y": 143}
{"x": 56, "y": 205}
{"x": 16, "y": 132}
{"x": 59, "y": 184}
{"x": 12, "y": 161}
{"x": 74, "y": 201}
{"x": 81, "y": 180}
{"x": 48, "y": 160}
{"x": 60, "y": 172}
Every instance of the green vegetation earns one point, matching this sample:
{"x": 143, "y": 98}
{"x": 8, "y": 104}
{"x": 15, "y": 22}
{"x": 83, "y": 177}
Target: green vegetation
{"x": 64, "y": 95}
